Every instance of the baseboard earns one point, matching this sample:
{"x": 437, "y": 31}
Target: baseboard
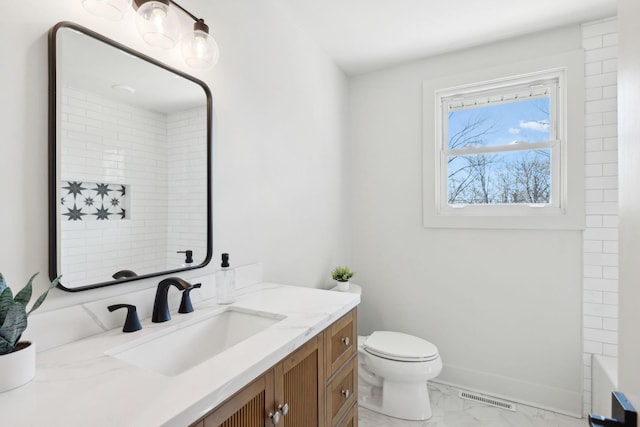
{"x": 557, "y": 400}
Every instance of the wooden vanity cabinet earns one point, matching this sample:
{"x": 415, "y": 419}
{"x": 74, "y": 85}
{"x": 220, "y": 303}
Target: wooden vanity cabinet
{"x": 296, "y": 392}
{"x": 247, "y": 408}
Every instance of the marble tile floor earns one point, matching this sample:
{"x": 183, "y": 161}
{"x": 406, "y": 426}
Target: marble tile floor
{"x": 451, "y": 411}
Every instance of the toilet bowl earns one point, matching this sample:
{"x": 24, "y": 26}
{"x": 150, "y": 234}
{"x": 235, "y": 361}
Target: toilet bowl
{"x": 393, "y": 372}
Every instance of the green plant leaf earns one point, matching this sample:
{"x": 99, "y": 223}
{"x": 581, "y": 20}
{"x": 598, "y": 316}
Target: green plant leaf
{"x": 14, "y": 324}
{"x": 5, "y": 346}
{"x": 342, "y": 274}
{"x": 24, "y": 295}
{"x": 42, "y": 297}
{"x": 6, "y": 300}
{"x": 3, "y": 283}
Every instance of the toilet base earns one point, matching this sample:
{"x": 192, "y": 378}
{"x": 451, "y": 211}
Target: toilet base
{"x": 408, "y": 401}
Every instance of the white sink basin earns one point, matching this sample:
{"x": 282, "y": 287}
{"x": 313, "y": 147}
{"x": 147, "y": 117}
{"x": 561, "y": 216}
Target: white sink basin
{"x": 174, "y": 350}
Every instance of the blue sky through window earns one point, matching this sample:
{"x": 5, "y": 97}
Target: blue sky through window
{"x": 500, "y": 177}
{"x": 500, "y": 124}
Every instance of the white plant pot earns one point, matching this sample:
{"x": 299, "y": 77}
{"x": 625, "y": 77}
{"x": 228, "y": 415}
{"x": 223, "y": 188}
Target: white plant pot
{"x": 18, "y": 368}
{"x": 343, "y": 286}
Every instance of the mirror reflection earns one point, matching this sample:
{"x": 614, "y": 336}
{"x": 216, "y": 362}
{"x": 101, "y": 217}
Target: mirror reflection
{"x": 130, "y": 183}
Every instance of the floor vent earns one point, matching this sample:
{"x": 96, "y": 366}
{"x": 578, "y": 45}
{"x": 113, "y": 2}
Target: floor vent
{"x": 487, "y": 400}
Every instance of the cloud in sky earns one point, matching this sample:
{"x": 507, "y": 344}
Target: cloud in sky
{"x": 534, "y": 125}
{"x": 514, "y": 131}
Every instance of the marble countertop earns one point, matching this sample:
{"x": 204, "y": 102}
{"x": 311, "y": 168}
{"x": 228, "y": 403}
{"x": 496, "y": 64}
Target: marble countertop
{"x": 76, "y": 384}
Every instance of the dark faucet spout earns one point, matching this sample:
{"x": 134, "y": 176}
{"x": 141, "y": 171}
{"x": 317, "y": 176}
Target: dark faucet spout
{"x": 161, "y": 306}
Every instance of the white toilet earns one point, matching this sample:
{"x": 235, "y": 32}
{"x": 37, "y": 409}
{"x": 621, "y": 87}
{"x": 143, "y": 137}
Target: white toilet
{"x": 393, "y": 372}
{"x": 393, "y": 369}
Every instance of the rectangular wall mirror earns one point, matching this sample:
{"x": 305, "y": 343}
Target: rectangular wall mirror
{"x": 129, "y": 163}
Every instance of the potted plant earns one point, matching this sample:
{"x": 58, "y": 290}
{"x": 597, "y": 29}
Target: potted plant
{"x": 342, "y": 276}
{"x": 17, "y": 358}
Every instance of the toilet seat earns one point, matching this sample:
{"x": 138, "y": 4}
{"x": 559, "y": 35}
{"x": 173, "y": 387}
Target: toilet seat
{"x": 400, "y": 347}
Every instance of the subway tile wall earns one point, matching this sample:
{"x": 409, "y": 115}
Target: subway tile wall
{"x": 187, "y": 212}
{"x": 134, "y": 155}
{"x": 600, "y": 242}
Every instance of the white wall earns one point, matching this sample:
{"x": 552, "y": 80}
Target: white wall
{"x": 279, "y": 104}
{"x": 503, "y": 306}
{"x": 600, "y": 245}
{"x": 629, "y": 143}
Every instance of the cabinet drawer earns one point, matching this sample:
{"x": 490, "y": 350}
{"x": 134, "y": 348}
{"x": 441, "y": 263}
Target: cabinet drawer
{"x": 342, "y": 391}
{"x": 340, "y": 342}
{"x": 351, "y": 419}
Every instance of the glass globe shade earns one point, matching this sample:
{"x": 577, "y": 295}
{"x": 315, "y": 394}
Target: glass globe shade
{"x": 113, "y": 10}
{"x": 158, "y": 24}
{"x": 200, "y": 50}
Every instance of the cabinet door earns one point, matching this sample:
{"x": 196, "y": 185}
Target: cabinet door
{"x": 299, "y": 384}
{"x": 250, "y": 407}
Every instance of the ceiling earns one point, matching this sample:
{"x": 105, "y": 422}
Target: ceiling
{"x": 365, "y": 35}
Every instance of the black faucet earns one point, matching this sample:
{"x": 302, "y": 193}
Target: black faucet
{"x": 160, "y": 306}
{"x": 123, "y": 274}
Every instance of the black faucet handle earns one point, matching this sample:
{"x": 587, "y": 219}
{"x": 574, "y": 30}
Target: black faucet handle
{"x": 185, "y": 303}
{"x": 132, "y": 323}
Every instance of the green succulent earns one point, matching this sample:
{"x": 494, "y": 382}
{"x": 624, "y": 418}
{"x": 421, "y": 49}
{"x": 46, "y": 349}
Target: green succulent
{"x": 13, "y": 312}
{"x": 342, "y": 274}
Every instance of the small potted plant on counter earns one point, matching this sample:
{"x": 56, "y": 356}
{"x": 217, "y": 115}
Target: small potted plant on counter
{"x": 342, "y": 276}
{"x": 17, "y": 358}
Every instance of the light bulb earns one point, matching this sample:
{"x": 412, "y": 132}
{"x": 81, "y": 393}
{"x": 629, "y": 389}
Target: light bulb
{"x": 199, "y": 49}
{"x": 158, "y": 24}
{"x": 113, "y": 10}
{"x": 158, "y": 16}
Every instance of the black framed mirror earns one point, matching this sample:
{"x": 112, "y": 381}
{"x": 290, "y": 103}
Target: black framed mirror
{"x": 129, "y": 163}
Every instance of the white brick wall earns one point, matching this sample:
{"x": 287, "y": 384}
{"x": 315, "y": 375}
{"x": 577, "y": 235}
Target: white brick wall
{"x": 134, "y": 154}
{"x": 187, "y": 187}
{"x": 600, "y": 246}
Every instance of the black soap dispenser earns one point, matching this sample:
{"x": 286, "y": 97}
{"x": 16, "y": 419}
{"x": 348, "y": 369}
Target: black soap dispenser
{"x": 225, "y": 282}
{"x": 188, "y": 257}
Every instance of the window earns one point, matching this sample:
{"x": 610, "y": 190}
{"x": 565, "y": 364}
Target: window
{"x": 520, "y": 163}
{"x": 500, "y": 146}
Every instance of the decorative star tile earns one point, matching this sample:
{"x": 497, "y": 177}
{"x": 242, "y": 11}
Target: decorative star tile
{"x": 93, "y": 201}
{"x": 102, "y": 213}
{"x": 102, "y": 190}
{"x": 75, "y": 213}
{"x": 74, "y": 188}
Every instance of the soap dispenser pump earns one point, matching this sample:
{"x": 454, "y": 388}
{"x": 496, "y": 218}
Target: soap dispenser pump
{"x": 188, "y": 257}
{"x": 225, "y": 282}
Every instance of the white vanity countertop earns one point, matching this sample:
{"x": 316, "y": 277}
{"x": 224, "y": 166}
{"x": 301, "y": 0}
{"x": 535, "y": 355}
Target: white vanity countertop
{"x": 78, "y": 385}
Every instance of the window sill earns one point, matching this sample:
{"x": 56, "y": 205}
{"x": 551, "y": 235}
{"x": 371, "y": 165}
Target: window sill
{"x": 523, "y": 222}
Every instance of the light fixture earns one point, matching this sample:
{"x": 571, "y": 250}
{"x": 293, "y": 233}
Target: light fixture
{"x": 159, "y": 26}
{"x": 113, "y": 10}
{"x": 199, "y": 49}
{"x": 157, "y": 23}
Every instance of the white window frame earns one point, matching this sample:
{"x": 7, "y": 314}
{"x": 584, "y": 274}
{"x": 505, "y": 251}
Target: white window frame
{"x": 570, "y": 214}
{"x": 460, "y": 97}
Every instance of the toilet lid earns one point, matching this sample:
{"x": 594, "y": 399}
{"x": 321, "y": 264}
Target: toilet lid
{"x": 399, "y": 346}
